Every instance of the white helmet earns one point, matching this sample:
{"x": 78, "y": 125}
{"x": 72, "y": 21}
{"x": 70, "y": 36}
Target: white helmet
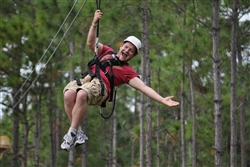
{"x": 135, "y": 41}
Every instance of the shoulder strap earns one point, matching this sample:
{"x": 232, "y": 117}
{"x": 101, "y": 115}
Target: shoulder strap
{"x": 107, "y": 53}
{"x": 102, "y": 65}
{"x": 114, "y": 61}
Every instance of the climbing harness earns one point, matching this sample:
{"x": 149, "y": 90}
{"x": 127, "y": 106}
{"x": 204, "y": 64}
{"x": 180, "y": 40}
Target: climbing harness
{"x": 102, "y": 65}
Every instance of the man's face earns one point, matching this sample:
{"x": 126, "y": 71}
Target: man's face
{"x": 126, "y": 52}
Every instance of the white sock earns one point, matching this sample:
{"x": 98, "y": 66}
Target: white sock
{"x": 72, "y": 130}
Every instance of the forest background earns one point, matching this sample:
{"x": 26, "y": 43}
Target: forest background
{"x": 197, "y": 51}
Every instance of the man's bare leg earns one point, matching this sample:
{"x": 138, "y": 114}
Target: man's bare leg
{"x": 80, "y": 108}
{"x": 75, "y": 106}
{"x": 69, "y": 102}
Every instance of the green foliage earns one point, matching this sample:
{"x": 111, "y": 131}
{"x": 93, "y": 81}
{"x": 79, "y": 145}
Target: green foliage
{"x": 179, "y": 32}
{"x": 6, "y": 160}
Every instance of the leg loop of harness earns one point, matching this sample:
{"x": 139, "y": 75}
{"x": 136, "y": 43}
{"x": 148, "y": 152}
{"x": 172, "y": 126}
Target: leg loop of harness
{"x": 102, "y": 87}
{"x": 84, "y": 74}
{"x": 78, "y": 82}
{"x": 102, "y": 65}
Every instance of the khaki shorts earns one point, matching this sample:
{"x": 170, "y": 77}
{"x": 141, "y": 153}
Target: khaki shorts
{"x": 93, "y": 88}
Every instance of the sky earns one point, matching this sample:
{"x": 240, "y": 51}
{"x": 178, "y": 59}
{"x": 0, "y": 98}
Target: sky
{"x": 245, "y": 17}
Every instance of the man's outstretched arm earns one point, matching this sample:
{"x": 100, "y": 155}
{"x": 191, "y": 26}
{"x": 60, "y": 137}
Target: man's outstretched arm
{"x": 141, "y": 86}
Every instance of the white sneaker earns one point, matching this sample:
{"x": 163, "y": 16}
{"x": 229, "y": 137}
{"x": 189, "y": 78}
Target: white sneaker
{"x": 80, "y": 138}
{"x": 69, "y": 140}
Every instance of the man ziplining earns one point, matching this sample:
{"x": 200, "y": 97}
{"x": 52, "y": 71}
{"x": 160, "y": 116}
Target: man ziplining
{"x": 97, "y": 85}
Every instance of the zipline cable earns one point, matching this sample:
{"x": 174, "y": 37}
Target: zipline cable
{"x": 53, "y": 52}
{"x": 47, "y": 48}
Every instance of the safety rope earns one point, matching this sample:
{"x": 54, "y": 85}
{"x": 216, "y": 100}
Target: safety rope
{"x": 48, "y": 49}
{"x": 98, "y": 5}
{"x": 113, "y": 107}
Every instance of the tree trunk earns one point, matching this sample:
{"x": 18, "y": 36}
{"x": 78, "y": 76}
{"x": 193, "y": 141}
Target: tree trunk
{"x": 15, "y": 132}
{"x": 84, "y": 147}
{"x": 183, "y": 143}
{"x": 72, "y": 53}
{"x": 104, "y": 131}
{"x": 52, "y": 155}
{"x": 141, "y": 115}
{"x": 141, "y": 110}
{"x": 217, "y": 85}
{"x": 243, "y": 134}
{"x": 58, "y": 128}
{"x": 133, "y": 140}
{"x": 84, "y": 125}
{"x": 193, "y": 108}
{"x": 169, "y": 150}
{"x": 183, "y": 117}
{"x": 233, "y": 114}
{"x": 145, "y": 52}
{"x": 72, "y": 153}
{"x": 193, "y": 111}
{"x": 114, "y": 140}
{"x": 51, "y": 127}
{"x": 25, "y": 131}
{"x": 110, "y": 150}
{"x": 37, "y": 130}
{"x": 158, "y": 120}
{"x": 243, "y": 103}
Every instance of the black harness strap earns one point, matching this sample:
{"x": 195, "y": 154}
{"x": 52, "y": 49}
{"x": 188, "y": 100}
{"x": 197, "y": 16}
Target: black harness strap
{"x": 78, "y": 82}
{"x": 113, "y": 107}
{"x": 97, "y": 73}
{"x": 102, "y": 65}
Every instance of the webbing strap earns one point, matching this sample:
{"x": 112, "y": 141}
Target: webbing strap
{"x": 102, "y": 65}
{"x": 111, "y": 80}
{"x": 97, "y": 73}
{"x": 78, "y": 82}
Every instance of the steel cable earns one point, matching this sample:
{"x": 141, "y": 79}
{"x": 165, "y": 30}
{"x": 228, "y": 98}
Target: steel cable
{"x": 48, "y": 49}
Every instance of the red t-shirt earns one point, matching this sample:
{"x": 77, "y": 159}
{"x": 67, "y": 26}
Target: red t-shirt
{"x": 122, "y": 74}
